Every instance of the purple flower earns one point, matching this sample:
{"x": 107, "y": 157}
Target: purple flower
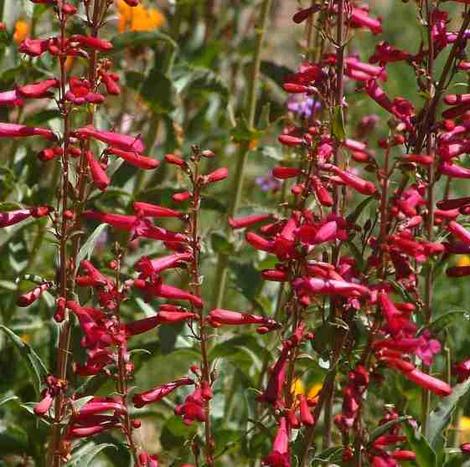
{"x": 303, "y": 105}
{"x": 268, "y": 183}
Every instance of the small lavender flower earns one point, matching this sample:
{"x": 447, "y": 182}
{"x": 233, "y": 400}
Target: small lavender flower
{"x": 303, "y": 105}
{"x": 268, "y": 183}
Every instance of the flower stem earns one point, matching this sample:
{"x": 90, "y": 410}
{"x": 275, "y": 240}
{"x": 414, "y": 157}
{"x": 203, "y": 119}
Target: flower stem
{"x": 238, "y": 181}
{"x": 67, "y": 261}
{"x": 196, "y": 289}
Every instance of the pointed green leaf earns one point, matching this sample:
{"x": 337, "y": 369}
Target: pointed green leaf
{"x": 425, "y": 455}
{"x": 441, "y": 416}
{"x": 35, "y": 365}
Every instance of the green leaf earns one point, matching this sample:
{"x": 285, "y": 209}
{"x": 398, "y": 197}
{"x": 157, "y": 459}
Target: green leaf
{"x": 175, "y": 433}
{"x": 220, "y": 243}
{"x": 337, "y": 126}
{"x": 13, "y": 440}
{"x": 446, "y": 319}
{"x": 333, "y": 454}
{"x": 380, "y": 430}
{"x": 275, "y": 72}
{"x": 158, "y": 91}
{"x": 425, "y": 455}
{"x": 7, "y": 398}
{"x": 141, "y": 39}
{"x": 354, "y": 216}
{"x": 441, "y": 416}
{"x": 206, "y": 80}
{"x": 87, "y": 248}
{"x": 85, "y": 455}
{"x": 247, "y": 279}
{"x": 243, "y": 133}
{"x": 35, "y": 365}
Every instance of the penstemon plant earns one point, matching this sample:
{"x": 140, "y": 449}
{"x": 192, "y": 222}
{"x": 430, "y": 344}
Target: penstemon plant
{"x": 192, "y": 324}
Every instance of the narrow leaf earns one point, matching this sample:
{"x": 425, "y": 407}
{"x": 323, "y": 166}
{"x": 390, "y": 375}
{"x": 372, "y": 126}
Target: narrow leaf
{"x": 35, "y": 365}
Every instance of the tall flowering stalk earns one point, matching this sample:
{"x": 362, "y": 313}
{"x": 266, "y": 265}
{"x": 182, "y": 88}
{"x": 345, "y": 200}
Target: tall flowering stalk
{"x": 354, "y": 292}
{"x": 393, "y": 251}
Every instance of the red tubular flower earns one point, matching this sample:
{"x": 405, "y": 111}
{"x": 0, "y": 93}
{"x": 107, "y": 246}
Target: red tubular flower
{"x": 331, "y": 287}
{"x": 11, "y": 98}
{"x": 305, "y": 13}
{"x": 13, "y": 217}
{"x": 158, "y": 393}
{"x": 459, "y": 232}
{"x": 465, "y": 448}
{"x": 458, "y": 271}
{"x": 285, "y": 172}
{"x": 290, "y": 140}
{"x": 454, "y": 170}
{"x": 273, "y": 392}
{"x": 362, "y": 186}
{"x": 119, "y": 221}
{"x": 125, "y": 142}
{"x": 168, "y": 291}
{"x": 421, "y": 159}
{"x": 258, "y": 242}
{"x": 34, "y": 47}
{"x": 216, "y": 176}
{"x": 153, "y": 210}
{"x": 449, "y": 204}
{"x": 323, "y": 195}
{"x": 181, "y": 197}
{"x": 163, "y": 317}
{"x": 360, "y": 71}
{"x": 247, "y": 221}
{"x": 274, "y": 275}
{"x": 306, "y": 416}
{"x": 402, "y": 455}
{"x": 99, "y": 405}
{"x": 174, "y": 160}
{"x": 145, "y": 459}
{"x": 92, "y": 42}
{"x": 193, "y": 407}
{"x": 14, "y": 130}
{"x": 462, "y": 370}
{"x": 132, "y": 158}
{"x": 314, "y": 235}
{"x": 93, "y": 277}
{"x": 360, "y": 19}
{"x": 38, "y": 90}
{"x": 279, "y": 455}
{"x": 394, "y": 318}
{"x": 148, "y": 267}
{"x": 99, "y": 176}
{"x": 80, "y": 92}
{"x": 30, "y": 297}
{"x": 219, "y": 317}
{"x": 438, "y": 387}
{"x": 386, "y": 53}
{"x": 43, "y": 406}
{"x": 76, "y": 432}
{"x": 110, "y": 81}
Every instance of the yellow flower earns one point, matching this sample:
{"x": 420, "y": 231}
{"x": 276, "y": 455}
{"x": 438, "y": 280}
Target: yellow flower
{"x": 138, "y": 18}
{"x": 297, "y": 387}
{"x": 464, "y": 428}
{"x": 464, "y": 260}
{"x": 26, "y": 338}
{"x": 21, "y": 31}
{"x": 314, "y": 390}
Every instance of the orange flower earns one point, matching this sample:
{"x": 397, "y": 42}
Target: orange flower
{"x": 463, "y": 260}
{"x": 21, "y": 31}
{"x": 138, "y": 18}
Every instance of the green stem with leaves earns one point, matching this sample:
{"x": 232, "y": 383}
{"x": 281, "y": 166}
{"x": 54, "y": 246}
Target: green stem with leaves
{"x": 239, "y": 176}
